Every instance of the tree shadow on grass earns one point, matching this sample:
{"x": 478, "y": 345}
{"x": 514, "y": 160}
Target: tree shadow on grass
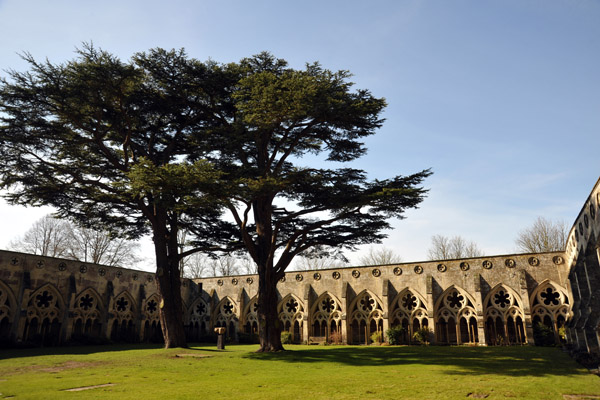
{"x": 89, "y": 349}
{"x": 508, "y": 361}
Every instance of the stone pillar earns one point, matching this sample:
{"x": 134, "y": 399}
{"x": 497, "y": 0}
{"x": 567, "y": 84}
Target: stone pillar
{"x": 305, "y": 327}
{"x": 430, "y": 310}
{"x": 479, "y": 310}
{"x": 527, "y": 321}
{"x": 386, "y": 307}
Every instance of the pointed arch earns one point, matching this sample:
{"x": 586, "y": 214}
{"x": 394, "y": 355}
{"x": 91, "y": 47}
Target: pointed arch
{"x": 122, "y": 327}
{"x": 550, "y": 306}
{"x": 326, "y": 316}
{"x": 455, "y": 317}
{"x": 150, "y": 307}
{"x": 226, "y": 315}
{"x": 408, "y": 310}
{"x": 250, "y": 316}
{"x": 503, "y": 316}
{"x": 366, "y": 317}
{"x": 8, "y": 310}
{"x": 88, "y": 314}
{"x": 197, "y": 319}
{"x": 45, "y": 309}
{"x": 291, "y": 315}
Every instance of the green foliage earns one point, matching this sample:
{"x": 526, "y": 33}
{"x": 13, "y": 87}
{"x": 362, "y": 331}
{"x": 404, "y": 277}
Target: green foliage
{"x": 543, "y": 335}
{"x": 376, "y": 337}
{"x": 286, "y": 337}
{"x": 395, "y": 334}
{"x": 421, "y": 336}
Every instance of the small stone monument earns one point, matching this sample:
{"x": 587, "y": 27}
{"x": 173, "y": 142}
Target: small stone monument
{"x": 220, "y": 338}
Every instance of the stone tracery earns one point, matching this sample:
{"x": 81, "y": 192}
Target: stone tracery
{"x": 456, "y": 318}
{"x": 504, "y": 319}
{"x": 409, "y": 311}
{"x": 291, "y": 313}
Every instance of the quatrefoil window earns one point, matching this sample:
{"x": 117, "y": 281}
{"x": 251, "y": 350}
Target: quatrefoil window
{"x": 152, "y": 306}
{"x": 502, "y": 299}
{"x": 200, "y": 309}
{"x": 454, "y": 300}
{"x": 228, "y": 308}
{"x": 550, "y": 297}
{"x": 292, "y": 306}
{"x": 122, "y": 304}
{"x": 328, "y": 305}
{"x": 86, "y": 302}
{"x": 44, "y": 299}
{"x": 409, "y": 302}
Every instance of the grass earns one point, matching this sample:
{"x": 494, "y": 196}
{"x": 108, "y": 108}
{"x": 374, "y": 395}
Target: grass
{"x": 303, "y": 372}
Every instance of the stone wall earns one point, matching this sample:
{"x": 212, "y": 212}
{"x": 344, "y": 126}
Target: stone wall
{"x": 480, "y": 300}
{"x": 582, "y": 255}
{"x": 488, "y": 300}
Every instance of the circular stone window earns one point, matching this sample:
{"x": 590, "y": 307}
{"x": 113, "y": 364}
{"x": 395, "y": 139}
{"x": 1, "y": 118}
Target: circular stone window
{"x": 317, "y": 276}
{"x": 282, "y": 279}
{"x": 249, "y": 280}
{"x": 510, "y": 263}
{"x": 356, "y": 273}
{"x": 558, "y": 260}
{"x": 83, "y": 269}
{"x": 336, "y": 275}
{"x": 534, "y": 261}
{"x": 376, "y": 272}
{"x": 299, "y": 277}
{"x": 234, "y": 281}
{"x": 62, "y": 266}
{"x": 397, "y": 271}
{"x": 487, "y": 264}
{"x": 220, "y": 282}
{"x": 418, "y": 269}
{"x": 464, "y": 266}
{"x": 442, "y": 267}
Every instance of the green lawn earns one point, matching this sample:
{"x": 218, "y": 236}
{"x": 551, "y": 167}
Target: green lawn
{"x": 302, "y": 372}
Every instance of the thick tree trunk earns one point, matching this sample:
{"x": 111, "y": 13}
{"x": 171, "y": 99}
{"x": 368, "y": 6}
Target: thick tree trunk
{"x": 269, "y": 325}
{"x": 168, "y": 282}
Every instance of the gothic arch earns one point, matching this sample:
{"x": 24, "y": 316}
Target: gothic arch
{"x": 151, "y": 329}
{"x": 8, "y": 307}
{"x": 366, "y": 317}
{"x": 503, "y": 314}
{"x": 409, "y": 311}
{"x": 122, "y": 327}
{"x": 455, "y": 317}
{"x": 291, "y": 315}
{"x": 550, "y": 306}
{"x": 88, "y": 314}
{"x": 45, "y": 309}
{"x": 197, "y": 320}
{"x": 226, "y": 315}
{"x": 250, "y": 316}
{"x": 326, "y": 316}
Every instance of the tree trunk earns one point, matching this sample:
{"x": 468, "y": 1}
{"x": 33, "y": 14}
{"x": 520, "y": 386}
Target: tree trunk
{"x": 168, "y": 283}
{"x": 269, "y": 325}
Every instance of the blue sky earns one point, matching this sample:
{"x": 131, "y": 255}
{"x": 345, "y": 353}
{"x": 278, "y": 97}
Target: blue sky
{"x": 500, "y": 98}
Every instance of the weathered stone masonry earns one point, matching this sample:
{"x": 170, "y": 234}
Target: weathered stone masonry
{"x": 487, "y": 300}
{"x": 479, "y": 300}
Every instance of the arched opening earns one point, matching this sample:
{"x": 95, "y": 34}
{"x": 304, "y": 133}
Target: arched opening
{"x": 464, "y": 331}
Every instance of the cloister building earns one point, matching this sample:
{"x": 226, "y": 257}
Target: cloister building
{"x": 486, "y": 301}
